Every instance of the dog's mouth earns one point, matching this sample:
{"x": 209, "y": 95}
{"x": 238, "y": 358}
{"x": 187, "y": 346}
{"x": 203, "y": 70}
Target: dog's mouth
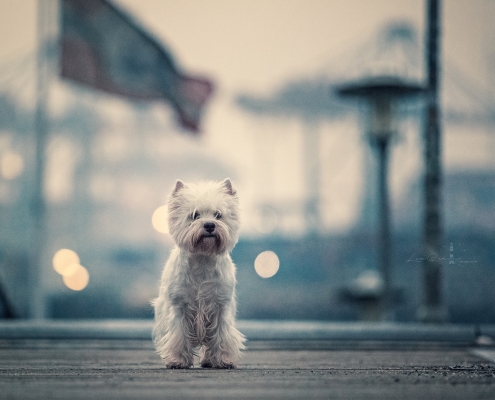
{"x": 208, "y": 239}
{"x": 208, "y": 235}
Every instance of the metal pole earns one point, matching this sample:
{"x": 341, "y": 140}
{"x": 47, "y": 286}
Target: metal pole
{"x": 36, "y": 261}
{"x": 432, "y": 308}
{"x": 8, "y": 310}
{"x": 385, "y": 255}
{"x": 312, "y": 176}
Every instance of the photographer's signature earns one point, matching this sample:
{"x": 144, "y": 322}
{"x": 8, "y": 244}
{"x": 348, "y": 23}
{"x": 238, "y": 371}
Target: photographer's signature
{"x": 435, "y": 258}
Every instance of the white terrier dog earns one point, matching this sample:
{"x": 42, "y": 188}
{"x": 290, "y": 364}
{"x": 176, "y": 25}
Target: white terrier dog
{"x": 196, "y": 303}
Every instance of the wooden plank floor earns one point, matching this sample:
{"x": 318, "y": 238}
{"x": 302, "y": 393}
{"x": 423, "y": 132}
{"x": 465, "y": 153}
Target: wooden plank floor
{"x": 110, "y": 369}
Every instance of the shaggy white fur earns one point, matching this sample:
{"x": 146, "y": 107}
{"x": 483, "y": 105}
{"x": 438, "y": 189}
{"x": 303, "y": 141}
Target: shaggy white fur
{"x": 196, "y": 304}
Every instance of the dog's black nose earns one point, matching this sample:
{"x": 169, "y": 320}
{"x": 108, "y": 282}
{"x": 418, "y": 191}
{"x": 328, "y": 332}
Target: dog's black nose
{"x": 209, "y": 227}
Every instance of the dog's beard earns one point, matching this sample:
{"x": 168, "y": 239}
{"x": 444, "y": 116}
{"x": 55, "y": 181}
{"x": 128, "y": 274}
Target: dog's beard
{"x": 208, "y": 244}
{"x": 197, "y": 241}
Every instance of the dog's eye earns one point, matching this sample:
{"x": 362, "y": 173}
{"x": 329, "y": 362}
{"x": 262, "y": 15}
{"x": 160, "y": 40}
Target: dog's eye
{"x": 195, "y": 215}
{"x": 217, "y": 215}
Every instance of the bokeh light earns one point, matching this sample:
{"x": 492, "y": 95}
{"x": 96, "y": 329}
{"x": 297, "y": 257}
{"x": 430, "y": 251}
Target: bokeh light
{"x": 160, "y": 219}
{"x": 79, "y": 280}
{"x": 64, "y": 262}
{"x": 266, "y": 264}
{"x": 11, "y": 165}
{"x": 70, "y": 269}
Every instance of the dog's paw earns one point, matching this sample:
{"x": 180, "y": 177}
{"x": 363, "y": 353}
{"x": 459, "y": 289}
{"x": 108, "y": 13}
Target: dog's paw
{"x": 218, "y": 365}
{"x": 177, "y": 365}
{"x": 218, "y": 361}
{"x": 225, "y": 365}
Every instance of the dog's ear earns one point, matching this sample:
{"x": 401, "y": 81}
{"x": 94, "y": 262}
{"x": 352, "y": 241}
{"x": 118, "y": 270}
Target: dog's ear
{"x": 228, "y": 188}
{"x": 178, "y": 186}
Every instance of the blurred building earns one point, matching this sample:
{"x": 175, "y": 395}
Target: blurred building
{"x": 111, "y": 164}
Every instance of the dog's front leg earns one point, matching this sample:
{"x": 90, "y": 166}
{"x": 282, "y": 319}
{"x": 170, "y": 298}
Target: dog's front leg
{"x": 172, "y": 336}
{"x": 180, "y": 354}
{"x": 223, "y": 341}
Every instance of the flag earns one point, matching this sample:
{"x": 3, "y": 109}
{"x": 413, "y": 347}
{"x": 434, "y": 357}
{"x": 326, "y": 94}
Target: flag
{"x": 103, "y": 48}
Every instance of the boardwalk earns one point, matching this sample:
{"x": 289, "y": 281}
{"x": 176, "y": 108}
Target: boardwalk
{"x": 68, "y": 368}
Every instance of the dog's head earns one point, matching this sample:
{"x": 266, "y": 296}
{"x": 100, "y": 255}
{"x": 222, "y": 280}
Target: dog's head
{"x": 204, "y": 218}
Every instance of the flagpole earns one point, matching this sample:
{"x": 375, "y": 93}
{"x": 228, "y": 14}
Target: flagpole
{"x": 36, "y": 290}
{"x": 432, "y": 308}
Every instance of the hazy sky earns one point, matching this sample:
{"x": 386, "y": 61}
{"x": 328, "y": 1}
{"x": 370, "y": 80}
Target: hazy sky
{"x": 257, "y": 45}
